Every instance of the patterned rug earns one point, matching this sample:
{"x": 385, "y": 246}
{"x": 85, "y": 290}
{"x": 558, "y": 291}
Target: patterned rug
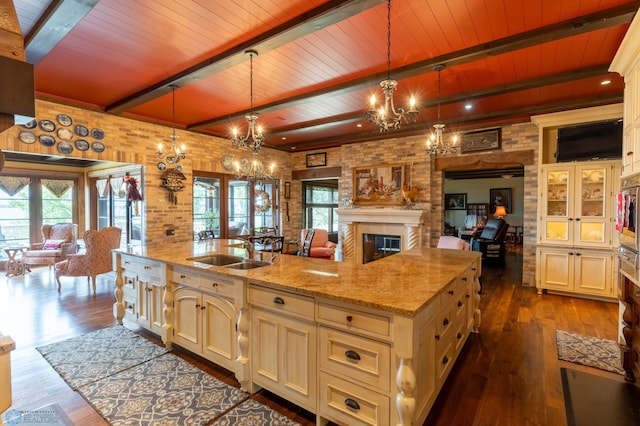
{"x": 590, "y": 351}
{"x": 93, "y": 356}
{"x": 131, "y": 380}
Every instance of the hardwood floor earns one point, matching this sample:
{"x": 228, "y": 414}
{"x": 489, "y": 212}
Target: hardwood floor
{"x": 508, "y": 374}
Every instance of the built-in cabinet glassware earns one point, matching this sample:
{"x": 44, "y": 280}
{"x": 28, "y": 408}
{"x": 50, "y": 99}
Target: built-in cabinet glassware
{"x": 576, "y": 204}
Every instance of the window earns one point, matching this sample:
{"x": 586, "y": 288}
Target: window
{"x": 231, "y": 207}
{"x": 321, "y": 205}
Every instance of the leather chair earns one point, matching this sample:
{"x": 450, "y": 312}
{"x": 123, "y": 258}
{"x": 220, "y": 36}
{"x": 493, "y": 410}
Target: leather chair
{"x": 315, "y": 243}
{"x": 491, "y": 241}
{"x": 58, "y": 241}
{"x": 96, "y": 260}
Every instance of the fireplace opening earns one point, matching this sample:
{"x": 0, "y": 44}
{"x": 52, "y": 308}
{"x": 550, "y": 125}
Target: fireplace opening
{"x": 377, "y": 246}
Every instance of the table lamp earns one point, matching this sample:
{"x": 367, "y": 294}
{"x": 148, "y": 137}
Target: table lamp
{"x": 501, "y": 212}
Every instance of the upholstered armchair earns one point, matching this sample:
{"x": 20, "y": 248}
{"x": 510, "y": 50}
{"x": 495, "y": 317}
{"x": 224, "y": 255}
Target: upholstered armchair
{"x": 58, "y": 241}
{"x": 451, "y": 242}
{"x": 315, "y": 243}
{"x": 97, "y": 258}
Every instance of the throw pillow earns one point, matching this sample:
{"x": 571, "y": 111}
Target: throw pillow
{"x": 52, "y": 244}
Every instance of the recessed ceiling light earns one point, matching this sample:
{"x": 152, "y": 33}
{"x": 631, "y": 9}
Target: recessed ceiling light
{"x": 293, "y": 147}
{"x": 605, "y": 82}
{"x": 284, "y": 138}
{"x": 468, "y": 106}
{"x": 359, "y": 125}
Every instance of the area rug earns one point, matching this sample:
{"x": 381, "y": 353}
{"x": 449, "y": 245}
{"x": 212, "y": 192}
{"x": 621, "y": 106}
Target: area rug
{"x": 252, "y": 412}
{"x": 93, "y": 356}
{"x": 595, "y": 401}
{"x": 590, "y": 351}
{"x": 164, "y": 390}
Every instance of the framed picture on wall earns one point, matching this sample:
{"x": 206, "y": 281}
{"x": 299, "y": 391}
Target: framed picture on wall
{"x": 317, "y": 160}
{"x": 499, "y": 197}
{"x": 287, "y": 190}
{"x": 455, "y": 201}
{"x": 378, "y": 185}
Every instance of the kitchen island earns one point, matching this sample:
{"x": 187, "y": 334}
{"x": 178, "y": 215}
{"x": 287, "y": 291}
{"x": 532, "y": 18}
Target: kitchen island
{"x": 347, "y": 342}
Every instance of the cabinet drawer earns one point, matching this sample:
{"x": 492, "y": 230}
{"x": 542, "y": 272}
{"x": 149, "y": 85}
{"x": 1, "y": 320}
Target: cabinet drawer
{"x": 351, "y": 356}
{"x": 282, "y": 301}
{"x": 218, "y": 286}
{"x": 143, "y": 267}
{"x": 184, "y": 277}
{"x": 444, "y": 361}
{"x": 348, "y": 404}
{"x": 444, "y": 322}
{"x": 353, "y": 320}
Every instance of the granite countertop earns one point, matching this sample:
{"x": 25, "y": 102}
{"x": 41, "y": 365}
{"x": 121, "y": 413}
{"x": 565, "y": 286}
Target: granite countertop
{"x": 403, "y": 283}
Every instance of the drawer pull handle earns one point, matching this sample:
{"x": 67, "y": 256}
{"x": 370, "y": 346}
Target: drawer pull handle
{"x": 146, "y": 268}
{"x": 352, "y": 403}
{"x": 446, "y": 321}
{"x": 451, "y": 292}
{"x": 349, "y": 318}
{"x": 460, "y": 302}
{"x": 464, "y": 278}
{"x": 198, "y": 306}
{"x": 437, "y": 337}
{"x": 182, "y": 277}
{"x": 352, "y": 355}
{"x": 278, "y": 300}
{"x": 214, "y": 285}
{"x": 445, "y": 360}
{"x": 459, "y": 336}
{"x": 126, "y": 262}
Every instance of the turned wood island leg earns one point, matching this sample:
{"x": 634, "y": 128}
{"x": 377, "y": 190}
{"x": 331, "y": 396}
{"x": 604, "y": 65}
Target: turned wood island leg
{"x": 118, "y": 306}
{"x": 168, "y": 316}
{"x": 405, "y": 400}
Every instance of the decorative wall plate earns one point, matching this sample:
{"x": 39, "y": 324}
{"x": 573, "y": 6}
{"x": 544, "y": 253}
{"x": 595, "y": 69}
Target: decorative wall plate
{"x": 47, "y": 140}
{"x": 27, "y": 137}
{"x": 161, "y": 165}
{"x": 81, "y": 131}
{"x": 47, "y": 125}
{"x": 82, "y": 145}
{"x": 227, "y": 162}
{"x": 31, "y": 124}
{"x": 179, "y": 167}
{"x": 65, "y": 134}
{"x": 97, "y": 133}
{"x": 64, "y": 120}
{"x": 65, "y": 148}
{"x": 97, "y": 146}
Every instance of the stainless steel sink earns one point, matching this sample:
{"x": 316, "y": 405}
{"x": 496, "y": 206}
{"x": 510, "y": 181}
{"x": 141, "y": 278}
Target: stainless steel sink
{"x": 217, "y": 259}
{"x": 247, "y": 264}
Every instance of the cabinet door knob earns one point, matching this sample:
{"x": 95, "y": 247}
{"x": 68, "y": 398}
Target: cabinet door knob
{"x": 349, "y": 318}
{"x": 445, "y": 360}
{"x": 437, "y": 337}
{"x": 146, "y": 268}
{"x": 451, "y": 292}
{"x": 459, "y": 336}
{"x": 352, "y": 355}
{"x": 278, "y": 300}
{"x": 630, "y": 153}
{"x": 570, "y": 253}
{"x": 352, "y": 403}
{"x": 446, "y": 321}
{"x": 578, "y": 254}
{"x": 577, "y": 219}
{"x": 459, "y": 303}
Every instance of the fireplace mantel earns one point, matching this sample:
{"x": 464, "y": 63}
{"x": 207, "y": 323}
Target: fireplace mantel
{"x": 405, "y": 223}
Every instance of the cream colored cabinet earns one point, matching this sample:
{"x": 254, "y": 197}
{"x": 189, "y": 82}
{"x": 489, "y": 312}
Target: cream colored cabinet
{"x": 283, "y": 340}
{"x": 204, "y": 316}
{"x": 143, "y": 292}
{"x": 576, "y": 203}
{"x": 582, "y": 271}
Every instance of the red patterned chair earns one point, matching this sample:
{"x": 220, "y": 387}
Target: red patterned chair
{"x": 96, "y": 260}
{"x": 58, "y": 241}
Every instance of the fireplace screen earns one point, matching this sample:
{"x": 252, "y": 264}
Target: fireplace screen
{"x": 376, "y": 246}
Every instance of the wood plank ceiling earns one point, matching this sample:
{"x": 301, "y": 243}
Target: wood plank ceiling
{"x": 319, "y": 61}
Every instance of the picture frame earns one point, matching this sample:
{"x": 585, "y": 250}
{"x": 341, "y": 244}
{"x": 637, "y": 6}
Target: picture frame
{"x": 455, "y": 201}
{"x": 378, "y": 185}
{"x": 499, "y": 196}
{"x": 287, "y": 190}
{"x": 318, "y": 159}
{"x": 484, "y": 140}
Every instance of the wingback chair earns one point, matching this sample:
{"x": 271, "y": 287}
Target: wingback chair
{"x": 96, "y": 260}
{"x": 315, "y": 243}
{"x": 58, "y": 241}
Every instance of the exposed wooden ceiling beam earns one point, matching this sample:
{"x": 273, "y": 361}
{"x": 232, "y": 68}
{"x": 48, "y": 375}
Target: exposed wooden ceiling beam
{"x": 55, "y": 23}
{"x": 605, "y": 19}
{"x": 307, "y": 23}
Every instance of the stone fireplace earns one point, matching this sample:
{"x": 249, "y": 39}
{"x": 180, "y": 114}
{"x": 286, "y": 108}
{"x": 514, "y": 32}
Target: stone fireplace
{"x": 355, "y": 223}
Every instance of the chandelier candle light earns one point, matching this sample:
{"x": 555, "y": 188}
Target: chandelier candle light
{"x": 387, "y": 117}
{"x": 254, "y": 172}
{"x": 435, "y": 143}
{"x": 254, "y": 139}
{"x": 176, "y": 154}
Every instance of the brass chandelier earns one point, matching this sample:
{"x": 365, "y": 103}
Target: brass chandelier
{"x": 387, "y": 116}
{"x": 254, "y": 139}
{"x": 435, "y": 142}
{"x": 175, "y": 154}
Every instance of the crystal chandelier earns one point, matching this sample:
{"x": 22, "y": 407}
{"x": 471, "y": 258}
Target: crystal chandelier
{"x": 254, "y": 171}
{"x": 387, "y": 117}
{"x": 254, "y": 138}
{"x": 435, "y": 143}
{"x": 175, "y": 154}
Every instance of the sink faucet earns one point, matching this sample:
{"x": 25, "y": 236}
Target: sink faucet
{"x": 271, "y": 242}
{"x": 248, "y": 246}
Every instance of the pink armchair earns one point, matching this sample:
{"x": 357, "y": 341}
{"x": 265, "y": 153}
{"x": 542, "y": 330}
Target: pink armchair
{"x": 58, "y": 241}
{"x": 315, "y": 243}
{"x": 96, "y": 260}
